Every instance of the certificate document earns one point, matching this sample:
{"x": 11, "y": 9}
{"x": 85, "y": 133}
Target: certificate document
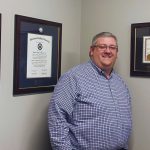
{"x": 39, "y": 55}
{"x": 146, "y": 49}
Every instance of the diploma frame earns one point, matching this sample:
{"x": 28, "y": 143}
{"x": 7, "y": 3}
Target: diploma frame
{"x": 140, "y": 50}
{"x": 48, "y": 32}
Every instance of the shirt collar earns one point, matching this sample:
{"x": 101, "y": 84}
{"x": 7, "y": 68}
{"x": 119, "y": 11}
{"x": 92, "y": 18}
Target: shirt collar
{"x": 99, "y": 70}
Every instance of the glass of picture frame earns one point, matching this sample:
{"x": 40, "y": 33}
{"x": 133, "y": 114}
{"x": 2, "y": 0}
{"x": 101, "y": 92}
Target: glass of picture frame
{"x": 140, "y": 50}
{"x": 37, "y": 55}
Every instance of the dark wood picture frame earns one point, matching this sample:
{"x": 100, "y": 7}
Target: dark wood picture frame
{"x": 44, "y": 73}
{"x": 140, "y": 50}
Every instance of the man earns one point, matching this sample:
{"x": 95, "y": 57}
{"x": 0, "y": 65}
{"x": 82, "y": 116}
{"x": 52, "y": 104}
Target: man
{"x": 90, "y": 108}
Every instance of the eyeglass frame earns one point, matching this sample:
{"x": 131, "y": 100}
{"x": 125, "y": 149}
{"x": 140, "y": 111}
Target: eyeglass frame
{"x": 104, "y": 47}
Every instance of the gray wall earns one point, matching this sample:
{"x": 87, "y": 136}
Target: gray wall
{"x": 116, "y": 16}
{"x": 23, "y": 124}
{"x": 24, "y": 119}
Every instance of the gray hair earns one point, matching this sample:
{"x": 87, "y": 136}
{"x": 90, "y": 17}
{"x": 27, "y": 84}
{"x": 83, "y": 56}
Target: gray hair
{"x": 103, "y": 34}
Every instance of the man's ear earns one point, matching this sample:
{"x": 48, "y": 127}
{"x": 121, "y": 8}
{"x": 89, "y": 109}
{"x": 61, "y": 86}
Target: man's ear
{"x": 117, "y": 54}
{"x": 91, "y": 51}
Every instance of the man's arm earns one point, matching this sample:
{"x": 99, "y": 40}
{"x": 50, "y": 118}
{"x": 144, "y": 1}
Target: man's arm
{"x": 60, "y": 109}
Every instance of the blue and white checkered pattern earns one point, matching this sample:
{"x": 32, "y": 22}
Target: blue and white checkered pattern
{"x": 87, "y": 111}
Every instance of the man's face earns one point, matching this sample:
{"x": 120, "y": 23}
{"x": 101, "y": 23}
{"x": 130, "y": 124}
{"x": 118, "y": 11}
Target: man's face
{"x": 104, "y": 53}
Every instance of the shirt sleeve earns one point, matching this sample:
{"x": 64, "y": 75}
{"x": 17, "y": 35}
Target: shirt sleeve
{"x": 59, "y": 112}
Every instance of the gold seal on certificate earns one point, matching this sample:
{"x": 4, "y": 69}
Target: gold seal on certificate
{"x": 39, "y": 55}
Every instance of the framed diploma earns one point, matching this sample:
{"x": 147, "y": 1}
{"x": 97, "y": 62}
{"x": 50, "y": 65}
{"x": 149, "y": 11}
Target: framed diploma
{"x": 140, "y": 50}
{"x": 37, "y": 55}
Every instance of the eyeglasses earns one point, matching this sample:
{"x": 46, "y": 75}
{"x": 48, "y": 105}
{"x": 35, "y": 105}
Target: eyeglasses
{"x": 103, "y": 47}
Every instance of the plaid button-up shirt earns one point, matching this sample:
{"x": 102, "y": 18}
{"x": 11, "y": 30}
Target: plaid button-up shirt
{"x": 87, "y": 111}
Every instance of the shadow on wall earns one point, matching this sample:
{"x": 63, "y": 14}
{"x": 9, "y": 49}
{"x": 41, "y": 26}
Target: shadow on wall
{"x": 39, "y": 138}
{"x": 69, "y": 60}
{"x": 131, "y": 142}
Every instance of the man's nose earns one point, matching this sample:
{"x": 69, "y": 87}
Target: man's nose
{"x": 107, "y": 49}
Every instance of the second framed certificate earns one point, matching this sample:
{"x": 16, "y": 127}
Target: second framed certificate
{"x": 37, "y": 55}
{"x": 140, "y": 49}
